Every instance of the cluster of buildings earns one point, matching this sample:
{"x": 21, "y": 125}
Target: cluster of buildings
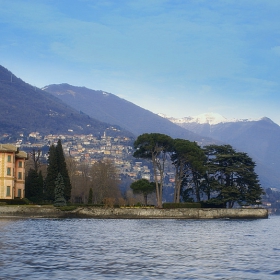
{"x": 90, "y": 149}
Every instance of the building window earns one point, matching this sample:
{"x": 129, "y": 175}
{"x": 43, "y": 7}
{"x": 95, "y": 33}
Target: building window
{"x": 9, "y": 171}
{"x": 8, "y": 191}
{"x": 19, "y": 175}
{"x": 9, "y": 158}
{"x": 20, "y": 164}
{"x": 19, "y": 192}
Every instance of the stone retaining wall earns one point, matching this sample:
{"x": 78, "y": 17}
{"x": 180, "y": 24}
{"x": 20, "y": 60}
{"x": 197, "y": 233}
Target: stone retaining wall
{"x": 181, "y": 213}
{"x": 30, "y": 211}
{"x": 133, "y": 213}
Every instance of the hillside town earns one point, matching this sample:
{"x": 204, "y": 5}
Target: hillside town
{"x": 90, "y": 149}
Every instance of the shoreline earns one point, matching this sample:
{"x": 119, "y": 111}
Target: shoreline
{"x": 37, "y": 211}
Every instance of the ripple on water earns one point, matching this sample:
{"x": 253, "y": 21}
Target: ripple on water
{"x": 139, "y": 249}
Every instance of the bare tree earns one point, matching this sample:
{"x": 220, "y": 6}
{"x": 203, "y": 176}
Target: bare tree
{"x": 35, "y": 156}
{"x": 72, "y": 168}
{"x": 79, "y": 175}
{"x": 104, "y": 181}
{"x": 33, "y": 161}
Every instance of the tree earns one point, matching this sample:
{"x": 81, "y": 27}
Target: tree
{"x": 56, "y": 165}
{"x": 188, "y": 159}
{"x": 155, "y": 147}
{"x": 144, "y": 187}
{"x": 72, "y": 169}
{"x": 85, "y": 173}
{"x": 233, "y": 176}
{"x": 90, "y": 196}
{"x": 62, "y": 169}
{"x": 52, "y": 172}
{"x": 104, "y": 181}
{"x": 34, "y": 186}
{"x": 59, "y": 191}
{"x": 35, "y": 156}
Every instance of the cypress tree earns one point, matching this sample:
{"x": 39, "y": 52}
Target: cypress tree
{"x": 34, "y": 186}
{"x": 52, "y": 172}
{"x": 62, "y": 169}
{"x": 59, "y": 191}
{"x": 56, "y": 165}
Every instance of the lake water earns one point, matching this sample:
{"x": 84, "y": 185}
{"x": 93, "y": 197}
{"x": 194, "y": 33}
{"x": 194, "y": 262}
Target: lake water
{"x": 139, "y": 249}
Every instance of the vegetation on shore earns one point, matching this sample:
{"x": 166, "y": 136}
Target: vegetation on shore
{"x": 217, "y": 174}
{"x": 212, "y": 176}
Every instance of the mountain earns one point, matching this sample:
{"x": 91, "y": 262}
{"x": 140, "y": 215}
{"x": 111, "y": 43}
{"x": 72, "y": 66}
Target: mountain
{"x": 24, "y": 109}
{"x": 259, "y": 138}
{"x": 209, "y": 118}
{"x": 109, "y": 108}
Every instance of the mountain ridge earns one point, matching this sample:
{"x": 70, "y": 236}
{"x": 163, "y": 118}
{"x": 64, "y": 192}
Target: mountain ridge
{"x": 207, "y": 118}
{"x": 250, "y": 136}
{"x": 110, "y": 108}
{"x": 25, "y": 108}
{"x": 259, "y": 138}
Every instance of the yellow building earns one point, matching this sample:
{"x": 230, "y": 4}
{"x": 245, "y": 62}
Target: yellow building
{"x": 12, "y": 172}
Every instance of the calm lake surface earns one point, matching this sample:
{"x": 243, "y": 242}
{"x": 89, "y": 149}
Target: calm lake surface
{"x": 139, "y": 249}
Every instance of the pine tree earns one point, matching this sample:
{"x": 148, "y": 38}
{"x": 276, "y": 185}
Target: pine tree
{"x": 144, "y": 187}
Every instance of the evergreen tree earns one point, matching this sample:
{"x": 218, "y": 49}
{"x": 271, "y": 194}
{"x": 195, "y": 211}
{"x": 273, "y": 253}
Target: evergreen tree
{"x": 59, "y": 191}
{"x": 56, "y": 165}
{"x": 62, "y": 169}
{"x": 157, "y": 148}
{"x": 188, "y": 159}
{"x": 144, "y": 187}
{"x": 34, "y": 186}
{"x": 52, "y": 172}
{"x": 234, "y": 177}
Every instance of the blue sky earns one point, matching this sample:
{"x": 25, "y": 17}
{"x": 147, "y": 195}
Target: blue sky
{"x": 178, "y": 57}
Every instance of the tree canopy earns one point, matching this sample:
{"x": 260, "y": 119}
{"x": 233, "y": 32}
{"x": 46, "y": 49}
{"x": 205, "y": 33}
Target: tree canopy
{"x": 34, "y": 186}
{"x": 56, "y": 165}
{"x": 59, "y": 199}
{"x": 155, "y": 147}
{"x": 232, "y": 176}
{"x": 217, "y": 173}
{"x": 188, "y": 159}
{"x": 144, "y": 187}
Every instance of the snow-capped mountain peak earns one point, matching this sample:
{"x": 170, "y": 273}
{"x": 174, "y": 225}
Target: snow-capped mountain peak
{"x": 211, "y": 118}
{"x": 206, "y": 118}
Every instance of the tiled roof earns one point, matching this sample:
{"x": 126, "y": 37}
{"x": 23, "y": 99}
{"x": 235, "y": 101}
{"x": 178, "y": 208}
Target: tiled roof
{"x": 13, "y": 149}
{"x": 21, "y": 154}
{"x": 8, "y": 148}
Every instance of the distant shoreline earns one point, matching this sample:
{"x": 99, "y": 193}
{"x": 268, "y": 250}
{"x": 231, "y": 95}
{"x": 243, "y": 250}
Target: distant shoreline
{"x": 36, "y": 211}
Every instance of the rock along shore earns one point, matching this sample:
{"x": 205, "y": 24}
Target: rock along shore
{"x": 35, "y": 211}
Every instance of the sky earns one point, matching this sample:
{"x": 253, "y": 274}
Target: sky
{"x": 176, "y": 57}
